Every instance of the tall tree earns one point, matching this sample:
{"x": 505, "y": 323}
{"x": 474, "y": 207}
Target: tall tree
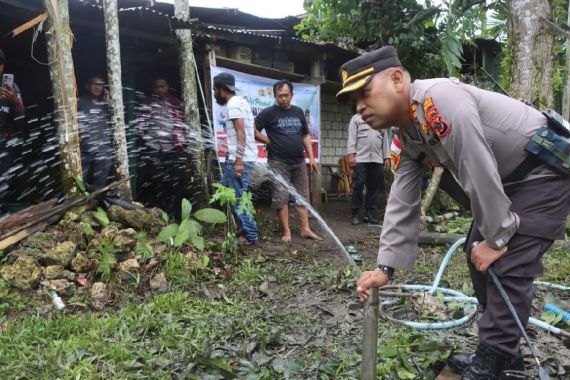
{"x": 116, "y": 93}
{"x": 62, "y": 75}
{"x": 532, "y": 51}
{"x": 188, "y": 79}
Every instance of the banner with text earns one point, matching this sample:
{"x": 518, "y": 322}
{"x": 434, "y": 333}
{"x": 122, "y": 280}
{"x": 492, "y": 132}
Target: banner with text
{"x": 258, "y": 91}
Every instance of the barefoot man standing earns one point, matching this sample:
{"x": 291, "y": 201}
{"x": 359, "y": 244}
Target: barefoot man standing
{"x": 287, "y": 140}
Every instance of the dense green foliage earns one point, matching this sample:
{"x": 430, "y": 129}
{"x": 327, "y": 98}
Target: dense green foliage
{"x": 428, "y": 37}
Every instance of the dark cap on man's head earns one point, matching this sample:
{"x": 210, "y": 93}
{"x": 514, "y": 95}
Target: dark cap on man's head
{"x": 226, "y": 80}
{"x": 358, "y": 71}
{"x": 2, "y": 57}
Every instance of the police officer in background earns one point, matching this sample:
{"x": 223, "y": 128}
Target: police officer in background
{"x": 368, "y": 152}
{"x": 519, "y": 205}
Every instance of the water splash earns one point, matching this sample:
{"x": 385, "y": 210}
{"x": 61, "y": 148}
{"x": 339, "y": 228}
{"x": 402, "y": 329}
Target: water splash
{"x": 35, "y": 173}
{"x": 278, "y": 179}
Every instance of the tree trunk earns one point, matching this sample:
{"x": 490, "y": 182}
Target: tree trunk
{"x": 566, "y": 97}
{"x": 190, "y": 93}
{"x": 533, "y": 52}
{"x": 116, "y": 94}
{"x": 62, "y": 73}
{"x": 431, "y": 190}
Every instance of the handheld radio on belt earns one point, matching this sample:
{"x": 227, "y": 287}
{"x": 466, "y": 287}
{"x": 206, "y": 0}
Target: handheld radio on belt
{"x": 550, "y": 145}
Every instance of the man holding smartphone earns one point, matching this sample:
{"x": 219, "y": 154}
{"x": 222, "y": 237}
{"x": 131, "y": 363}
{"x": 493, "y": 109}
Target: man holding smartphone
{"x": 11, "y": 109}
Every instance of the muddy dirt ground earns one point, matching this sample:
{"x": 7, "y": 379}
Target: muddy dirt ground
{"x": 335, "y": 308}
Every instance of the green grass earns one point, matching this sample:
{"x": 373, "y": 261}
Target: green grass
{"x": 156, "y": 339}
{"x": 557, "y": 267}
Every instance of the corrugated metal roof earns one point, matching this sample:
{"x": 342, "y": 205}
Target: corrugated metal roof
{"x": 225, "y": 20}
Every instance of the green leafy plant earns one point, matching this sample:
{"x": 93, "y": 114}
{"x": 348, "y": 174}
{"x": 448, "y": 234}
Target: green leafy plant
{"x": 407, "y": 354}
{"x": 143, "y": 248}
{"x": 226, "y": 197}
{"x": 107, "y": 260}
{"x": 101, "y": 217}
{"x": 189, "y": 231}
{"x": 80, "y": 184}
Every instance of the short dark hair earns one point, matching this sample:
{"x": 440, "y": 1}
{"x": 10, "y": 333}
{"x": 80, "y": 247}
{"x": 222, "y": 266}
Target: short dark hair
{"x": 95, "y": 76}
{"x": 156, "y": 78}
{"x": 280, "y": 83}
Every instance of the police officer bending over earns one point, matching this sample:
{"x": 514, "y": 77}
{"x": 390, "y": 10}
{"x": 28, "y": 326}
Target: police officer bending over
{"x": 519, "y": 204}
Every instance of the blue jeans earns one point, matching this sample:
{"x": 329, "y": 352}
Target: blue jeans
{"x": 241, "y": 184}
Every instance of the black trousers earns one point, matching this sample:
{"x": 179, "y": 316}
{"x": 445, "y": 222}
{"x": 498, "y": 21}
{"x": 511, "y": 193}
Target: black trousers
{"x": 542, "y": 206}
{"x": 371, "y": 175}
{"x": 96, "y": 167}
{"x": 162, "y": 179}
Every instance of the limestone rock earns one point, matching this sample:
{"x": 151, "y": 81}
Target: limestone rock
{"x": 62, "y": 287}
{"x": 54, "y": 272}
{"x": 23, "y": 274}
{"x": 62, "y": 254}
{"x": 81, "y": 263}
{"x": 128, "y": 269}
{"x": 130, "y": 265}
{"x": 158, "y": 283}
{"x": 39, "y": 241}
{"x": 111, "y": 230}
{"x": 99, "y": 296}
{"x": 125, "y": 241}
{"x": 150, "y": 221}
{"x": 87, "y": 218}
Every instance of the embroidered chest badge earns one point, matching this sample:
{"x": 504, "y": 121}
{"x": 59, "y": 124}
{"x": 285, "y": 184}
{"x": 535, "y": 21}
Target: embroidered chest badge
{"x": 414, "y": 114}
{"x": 434, "y": 119}
{"x": 395, "y": 150}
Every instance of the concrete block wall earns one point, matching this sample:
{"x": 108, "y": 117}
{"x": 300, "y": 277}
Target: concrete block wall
{"x": 334, "y": 128}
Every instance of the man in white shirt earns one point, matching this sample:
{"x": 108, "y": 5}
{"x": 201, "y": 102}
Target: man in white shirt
{"x": 242, "y": 149}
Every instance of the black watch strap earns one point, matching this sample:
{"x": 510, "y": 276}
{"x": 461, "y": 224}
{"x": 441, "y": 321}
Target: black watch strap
{"x": 388, "y": 271}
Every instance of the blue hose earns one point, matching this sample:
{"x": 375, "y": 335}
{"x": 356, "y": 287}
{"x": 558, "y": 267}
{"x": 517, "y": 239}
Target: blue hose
{"x": 457, "y": 296}
{"x": 444, "y": 263}
{"x": 556, "y": 310}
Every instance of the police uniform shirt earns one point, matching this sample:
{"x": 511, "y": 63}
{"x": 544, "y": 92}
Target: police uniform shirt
{"x": 480, "y": 137}
{"x": 369, "y": 145}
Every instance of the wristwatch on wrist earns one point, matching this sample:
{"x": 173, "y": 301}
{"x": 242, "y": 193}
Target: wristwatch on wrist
{"x": 388, "y": 271}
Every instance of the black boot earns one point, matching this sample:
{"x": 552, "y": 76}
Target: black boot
{"x": 459, "y": 361}
{"x": 486, "y": 365}
{"x": 371, "y": 218}
{"x": 355, "y": 217}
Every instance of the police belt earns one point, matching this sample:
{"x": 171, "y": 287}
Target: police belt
{"x": 545, "y": 147}
{"x": 529, "y": 164}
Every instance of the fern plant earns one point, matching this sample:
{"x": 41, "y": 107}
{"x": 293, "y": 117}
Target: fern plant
{"x": 107, "y": 260}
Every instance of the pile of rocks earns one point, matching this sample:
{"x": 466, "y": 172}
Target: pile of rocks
{"x": 66, "y": 256}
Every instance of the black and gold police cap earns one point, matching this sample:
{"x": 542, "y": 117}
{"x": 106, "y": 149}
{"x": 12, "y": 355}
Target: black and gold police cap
{"x": 358, "y": 71}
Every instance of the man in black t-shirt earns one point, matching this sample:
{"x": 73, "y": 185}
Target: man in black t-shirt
{"x": 287, "y": 139}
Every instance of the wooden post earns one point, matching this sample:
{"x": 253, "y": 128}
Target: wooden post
{"x": 317, "y": 77}
{"x": 370, "y": 338}
{"x": 62, "y": 74}
{"x": 190, "y": 93}
{"x": 116, "y": 94}
{"x": 210, "y": 60}
{"x": 316, "y": 200}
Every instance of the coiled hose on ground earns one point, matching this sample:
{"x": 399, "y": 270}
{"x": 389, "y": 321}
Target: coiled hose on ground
{"x": 453, "y": 295}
